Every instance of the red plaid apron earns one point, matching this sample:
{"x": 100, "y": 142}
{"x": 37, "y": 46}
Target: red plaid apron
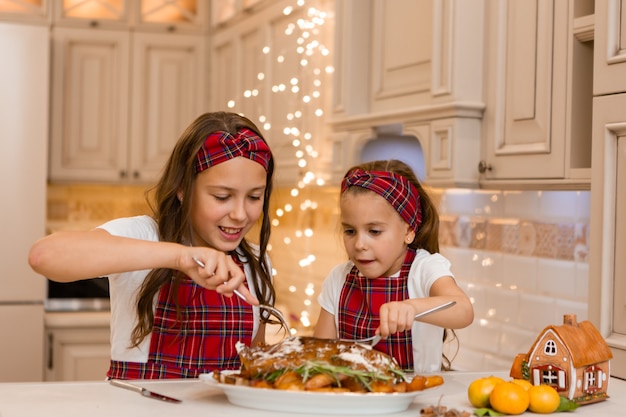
{"x": 359, "y": 307}
{"x": 202, "y": 340}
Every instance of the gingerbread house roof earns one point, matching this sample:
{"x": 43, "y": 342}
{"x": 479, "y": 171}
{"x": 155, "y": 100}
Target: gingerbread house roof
{"x": 585, "y": 343}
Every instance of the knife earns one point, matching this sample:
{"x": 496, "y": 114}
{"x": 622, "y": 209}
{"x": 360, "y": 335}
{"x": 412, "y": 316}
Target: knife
{"x": 143, "y": 391}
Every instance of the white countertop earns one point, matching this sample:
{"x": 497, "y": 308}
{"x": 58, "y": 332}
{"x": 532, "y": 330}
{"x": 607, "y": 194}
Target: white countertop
{"x": 100, "y": 399}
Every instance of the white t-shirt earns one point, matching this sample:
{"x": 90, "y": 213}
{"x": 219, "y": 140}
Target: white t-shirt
{"x": 425, "y": 270}
{"x": 124, "y": 288}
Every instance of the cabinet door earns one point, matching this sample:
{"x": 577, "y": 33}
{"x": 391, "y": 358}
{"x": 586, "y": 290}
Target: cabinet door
{"x": 78, "y": 354}
{"x": 89, "y": 105}
{"x": 610, "y": 47}
{"x": 168, "y": 94}
{"x": 526, "y": 89}
{"x": 607, "y": 266}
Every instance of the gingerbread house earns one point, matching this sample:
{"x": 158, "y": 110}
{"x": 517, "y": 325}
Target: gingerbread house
{"x": 572, "y": 358}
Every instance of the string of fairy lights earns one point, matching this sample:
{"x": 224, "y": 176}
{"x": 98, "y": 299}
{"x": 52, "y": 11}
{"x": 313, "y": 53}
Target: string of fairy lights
{"x": 305, "y": 86}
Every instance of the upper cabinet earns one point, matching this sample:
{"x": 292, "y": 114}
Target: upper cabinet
{"x": 539, "y": 67}
{"x": 273, "y": 66}
{"x": 415, "y": 68}
{"x": 181, "y": 16}
{"x": 31, "y": 11}
{"x": 607, "y": 265}
{"x": 610, "y": 40}
{"x": 122, "y": 96}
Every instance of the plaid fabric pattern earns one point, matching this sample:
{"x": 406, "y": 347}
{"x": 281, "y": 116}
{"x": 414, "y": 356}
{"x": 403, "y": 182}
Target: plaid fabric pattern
{"x": 394, "y": 188}
{"x": 202, "y": 340}
{"x": 221, "y": 146}
{"x": 359, "y": 310}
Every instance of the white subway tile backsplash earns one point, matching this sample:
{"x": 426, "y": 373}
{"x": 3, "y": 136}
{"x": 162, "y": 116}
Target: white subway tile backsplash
{"x": 516, "y": 340}
{"x": 502, "y": 306}
{"x": 520, "y": 272}
{"x": 525, "y": 266}
{"x": 484, "y": 335}
{"x": 536, "y": 312}
{"x": 521, "y": 204}
{"x": 556, "y": 278}
{"x": 458, "y": 201}
{"x": 564, "y": 307}
{"x": 583, "y": 205}
{"x": 582, "y": 282}
{"x": 558, "y": 205}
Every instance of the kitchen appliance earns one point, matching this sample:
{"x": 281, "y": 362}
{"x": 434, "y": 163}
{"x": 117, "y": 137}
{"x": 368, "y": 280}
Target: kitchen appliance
{"x": 84, "y": 295}
{"x": 24, "y": 82}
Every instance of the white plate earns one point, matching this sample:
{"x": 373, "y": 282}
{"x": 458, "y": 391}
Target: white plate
{"x": 314, "y": 402}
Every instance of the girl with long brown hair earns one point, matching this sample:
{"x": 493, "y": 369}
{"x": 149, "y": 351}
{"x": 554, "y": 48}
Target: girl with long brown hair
{"x": 170, "y": 317}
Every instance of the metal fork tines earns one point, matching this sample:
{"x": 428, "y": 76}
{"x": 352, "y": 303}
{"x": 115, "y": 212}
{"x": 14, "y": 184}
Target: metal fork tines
{"x": 274, "y": 311}
{"x": 372, "y": 341}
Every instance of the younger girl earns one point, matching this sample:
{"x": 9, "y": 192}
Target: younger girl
{"x": 390, "y": 233}
{"x": 171, "y": 318}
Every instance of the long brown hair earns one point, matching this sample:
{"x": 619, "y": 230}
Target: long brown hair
{"x": 427, "y": 234}
{"x": 173, "y": 216}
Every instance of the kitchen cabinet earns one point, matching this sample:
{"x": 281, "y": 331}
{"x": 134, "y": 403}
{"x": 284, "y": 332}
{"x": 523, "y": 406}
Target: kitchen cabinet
{"x": 414, "y": 68}
{"x": 607, "y": 266}
{"x": 128, "y": 78}
{"x": 224, "y": 11}
{"x": 78, "y": 346}
{"x": 179, "y": 16}
{"x": 610, "y": 47}
{"x": 29, "y": 11}
{"x": 259, "y": 68}
{"x": 120, "y": 100}
{"x": 539, "y": 67}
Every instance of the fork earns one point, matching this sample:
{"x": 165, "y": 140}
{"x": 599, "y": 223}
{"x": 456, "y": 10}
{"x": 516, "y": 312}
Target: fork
{"x": 274, "y": 311}
{"x": 373, "y": 340}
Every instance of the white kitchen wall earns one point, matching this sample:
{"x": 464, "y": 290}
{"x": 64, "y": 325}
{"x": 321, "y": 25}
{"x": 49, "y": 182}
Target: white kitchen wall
{"x": 522, "y": 258}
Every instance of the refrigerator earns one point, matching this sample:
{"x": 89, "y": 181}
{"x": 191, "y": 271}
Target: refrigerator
{"x": 24, "y": 90}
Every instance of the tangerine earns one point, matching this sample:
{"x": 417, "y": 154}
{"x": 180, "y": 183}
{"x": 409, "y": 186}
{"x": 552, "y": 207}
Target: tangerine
{"x": 479, "y": 390}
{"x": 543, "y": 399}
{"x": 524, "y": 383}
{"x": 509, "y": 398}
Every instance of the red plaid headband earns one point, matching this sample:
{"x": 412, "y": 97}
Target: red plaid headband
{"x": 221, "y": 146}
{"x": 394, "y": 188}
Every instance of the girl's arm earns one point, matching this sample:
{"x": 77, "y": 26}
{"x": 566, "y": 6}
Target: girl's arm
{"x": 398, "y": 316}
{"x": 72, "y": 256}
{"x": 325, "y": 327}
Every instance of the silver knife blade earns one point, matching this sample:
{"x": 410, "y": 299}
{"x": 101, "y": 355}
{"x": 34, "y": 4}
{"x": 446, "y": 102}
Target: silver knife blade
{"x": 143, "y": 391}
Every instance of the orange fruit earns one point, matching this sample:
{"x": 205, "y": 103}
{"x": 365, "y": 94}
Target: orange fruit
{"x": 543, "y": 399}
{"x": 509, "y": 398}
{"x": 479, "y": 390}
{"x": 524, "y": 383}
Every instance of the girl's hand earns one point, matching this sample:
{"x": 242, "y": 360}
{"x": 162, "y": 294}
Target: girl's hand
{"x": 220, "y": 273}
{"x": 396, "y": 316}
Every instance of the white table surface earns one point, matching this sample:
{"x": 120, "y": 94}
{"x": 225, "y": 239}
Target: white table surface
{"x": 95, "y": 399}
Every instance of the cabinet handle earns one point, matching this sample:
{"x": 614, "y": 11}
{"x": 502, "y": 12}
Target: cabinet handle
{"x": 122, "y": 174}
{"x": 483, "y": 167}
{"x": 50, "y": 351}
{"x": 136, "y": 174}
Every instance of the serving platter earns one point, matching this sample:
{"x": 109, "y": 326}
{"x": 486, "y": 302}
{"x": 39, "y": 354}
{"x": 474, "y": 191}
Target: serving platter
{"x": 345, "y": 403}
